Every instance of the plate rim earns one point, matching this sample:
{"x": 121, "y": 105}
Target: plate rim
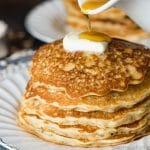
{"x": 5, "y": 74}
{"x": 6, "y": 145}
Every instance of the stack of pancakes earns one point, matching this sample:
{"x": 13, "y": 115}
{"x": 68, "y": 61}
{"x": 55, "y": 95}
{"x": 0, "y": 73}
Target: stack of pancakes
{"x": 113, "y": 22}
{"x": 88, "y": 99}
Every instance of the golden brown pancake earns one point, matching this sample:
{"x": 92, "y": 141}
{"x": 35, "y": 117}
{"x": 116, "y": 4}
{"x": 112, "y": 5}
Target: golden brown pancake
{"x": 48, "y": 135}
{"x": 36, "y": 106}
{"x": 108, "y": 103}
{"x": 81, "y": 74}
{"x": 84, "y": 132}
{"x": 88, "y": 99}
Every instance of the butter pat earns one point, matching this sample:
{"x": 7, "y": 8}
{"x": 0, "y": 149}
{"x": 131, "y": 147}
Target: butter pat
{"x": 86, "y": 42}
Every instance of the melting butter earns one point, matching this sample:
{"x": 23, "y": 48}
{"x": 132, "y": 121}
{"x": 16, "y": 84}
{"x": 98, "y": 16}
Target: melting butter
{"x": 92, "y": 4}
{"x": 94, "y": 36}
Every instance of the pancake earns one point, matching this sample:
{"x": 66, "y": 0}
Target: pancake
{"x": 88, "y": 99}
{"x": 81, "y": 74}
{"x": 110, "y": 22}
{"x": 109, "y": 103}
{"x": 56, "y": 138}
{"x": 95, "y": 118}
{"x": 85, "y": 132}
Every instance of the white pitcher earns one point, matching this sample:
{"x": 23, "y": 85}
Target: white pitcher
{"x": 138, "y": 10}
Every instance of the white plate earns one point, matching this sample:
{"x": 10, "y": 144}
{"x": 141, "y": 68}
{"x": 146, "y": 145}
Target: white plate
{"x": 13, "y": 81}
{"x": 46, "y": 21}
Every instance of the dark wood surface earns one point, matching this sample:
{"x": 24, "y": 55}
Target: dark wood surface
{"x": 13, "y": 12}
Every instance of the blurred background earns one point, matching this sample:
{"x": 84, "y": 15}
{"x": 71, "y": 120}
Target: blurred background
{"x": 12, "y": 15}
{"x": 53, "y": 19}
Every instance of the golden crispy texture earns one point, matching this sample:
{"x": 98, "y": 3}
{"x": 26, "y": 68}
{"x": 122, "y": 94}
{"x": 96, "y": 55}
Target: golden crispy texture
{"x": 82, "y": 74}
{"x": 55, "y": 112}
{"x": 113, "y": 22}
{"x": 38, "y": 107}
{"x": 52, "y": 136}
{"x": 84, "y": 132}
{"x": 108, "y": 103}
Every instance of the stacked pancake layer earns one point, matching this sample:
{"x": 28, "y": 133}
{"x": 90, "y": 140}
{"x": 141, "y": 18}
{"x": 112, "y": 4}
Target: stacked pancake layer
{"x": 109, "y": 22}
{"x": 88, "y": 100}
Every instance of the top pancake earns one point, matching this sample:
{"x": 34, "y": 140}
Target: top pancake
{"x": 82, "y": 74}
